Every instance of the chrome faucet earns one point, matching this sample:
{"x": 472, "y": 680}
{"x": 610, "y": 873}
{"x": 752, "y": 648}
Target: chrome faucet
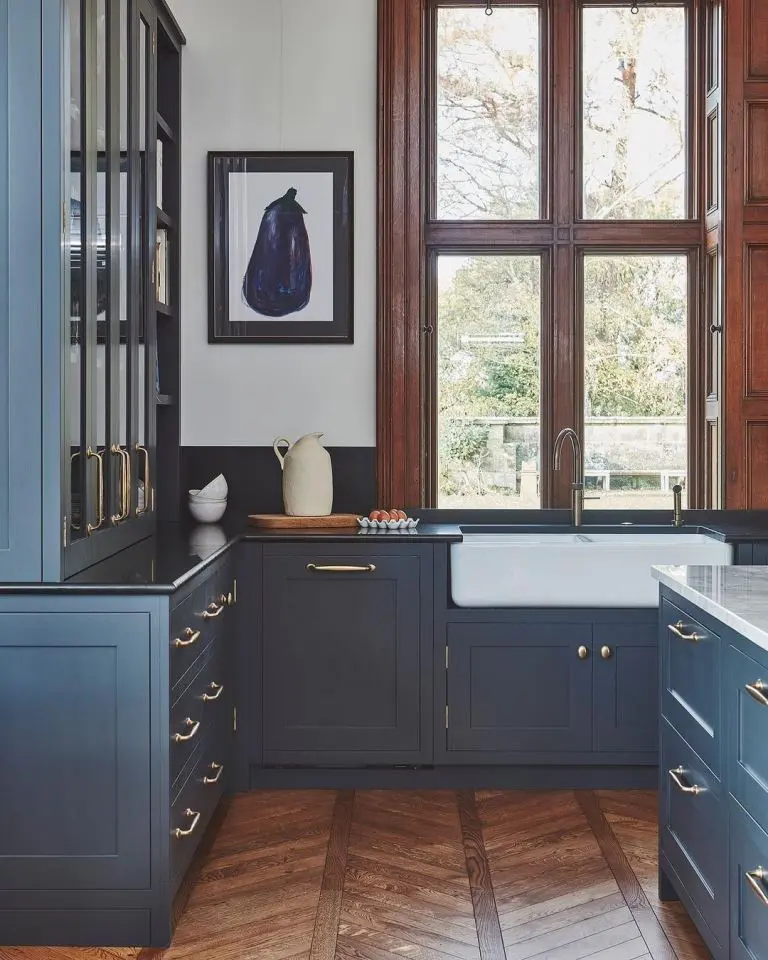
{"x": 577, "y": 485}
{"x": 677, "y": 495}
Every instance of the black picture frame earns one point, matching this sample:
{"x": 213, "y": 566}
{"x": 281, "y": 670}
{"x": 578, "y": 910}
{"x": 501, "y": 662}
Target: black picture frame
{"x": 221, "y": 327}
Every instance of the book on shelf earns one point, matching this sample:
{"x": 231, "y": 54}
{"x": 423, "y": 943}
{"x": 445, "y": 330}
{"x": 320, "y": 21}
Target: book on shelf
{"x": 159, "y": 187}
{"x": 162, "y": 289}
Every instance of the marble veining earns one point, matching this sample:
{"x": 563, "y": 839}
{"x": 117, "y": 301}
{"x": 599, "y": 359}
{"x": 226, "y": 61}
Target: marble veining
{"x": 736, "y": 596}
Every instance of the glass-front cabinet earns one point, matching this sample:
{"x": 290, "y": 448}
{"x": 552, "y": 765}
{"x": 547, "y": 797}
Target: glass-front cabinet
{"x": 108, "y": 296}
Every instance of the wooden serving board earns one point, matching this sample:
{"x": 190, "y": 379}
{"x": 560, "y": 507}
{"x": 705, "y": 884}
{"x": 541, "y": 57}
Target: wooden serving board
{"x": 274, "y": 521}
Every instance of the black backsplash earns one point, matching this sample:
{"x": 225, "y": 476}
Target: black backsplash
{"x": 255, "y": 480}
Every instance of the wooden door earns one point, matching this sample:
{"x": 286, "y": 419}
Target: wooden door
{"x": 626, "y": 675}
{"x": 342, "y": 658}
{"x": 516, "y": 688}
{"x": 75, "y": 811}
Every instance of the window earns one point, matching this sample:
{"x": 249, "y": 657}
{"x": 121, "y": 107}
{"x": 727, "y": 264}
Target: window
{"x": 563, "y": 239}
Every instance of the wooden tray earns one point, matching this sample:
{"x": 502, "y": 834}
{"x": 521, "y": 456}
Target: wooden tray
{"x": 274, "y": 521}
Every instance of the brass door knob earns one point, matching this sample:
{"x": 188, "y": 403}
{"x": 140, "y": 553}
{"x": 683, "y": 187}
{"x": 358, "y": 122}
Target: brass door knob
{"x": 606, "y": 653}
{"x": 583, "y": 652}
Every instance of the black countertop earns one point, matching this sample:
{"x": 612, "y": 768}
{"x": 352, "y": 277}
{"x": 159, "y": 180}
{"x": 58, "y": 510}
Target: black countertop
{"x": 177, "y": 553}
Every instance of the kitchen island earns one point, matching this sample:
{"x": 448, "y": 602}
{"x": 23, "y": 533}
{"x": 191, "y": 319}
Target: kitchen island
{"x": 713, "y": 809}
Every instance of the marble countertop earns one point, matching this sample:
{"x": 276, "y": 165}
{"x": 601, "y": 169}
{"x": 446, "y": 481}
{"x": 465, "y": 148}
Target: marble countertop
{"x": 736, "y": 596}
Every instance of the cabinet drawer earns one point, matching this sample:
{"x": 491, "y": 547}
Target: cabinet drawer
{"x": 690, "y": 696}
{"x": 694, "y": 828}
{"x": 197, "y": 711}
{"x": 196, "y": 621}
{"x": 192, "y": 810}
{"x": 749, "y": 887}
{"x": 747, "y": 705}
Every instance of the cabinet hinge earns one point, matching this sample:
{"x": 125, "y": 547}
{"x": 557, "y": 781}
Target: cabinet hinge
{"x": 234, "y": 719}
{"x": 446, "y": 716}
{"x": 64, "y": 531}
{"x": 446, "y": 656}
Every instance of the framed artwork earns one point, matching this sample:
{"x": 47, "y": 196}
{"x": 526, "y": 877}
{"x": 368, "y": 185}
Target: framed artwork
{"x": 280, "y": 247}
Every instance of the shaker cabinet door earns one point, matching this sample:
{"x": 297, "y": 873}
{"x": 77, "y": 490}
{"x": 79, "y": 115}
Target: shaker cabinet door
{"x": 343, "y": 659}
{"x": 74, "y": 754}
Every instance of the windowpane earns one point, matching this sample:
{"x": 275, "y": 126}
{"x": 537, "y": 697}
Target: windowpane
{"x": 488, "y": 114}
{"x": 634, "y": 115}
{"x": 635, "y": 359}
{"x": 488, "y": 345}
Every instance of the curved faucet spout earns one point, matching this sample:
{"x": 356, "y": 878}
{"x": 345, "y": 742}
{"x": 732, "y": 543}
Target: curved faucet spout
{"x": 578, "y": 461}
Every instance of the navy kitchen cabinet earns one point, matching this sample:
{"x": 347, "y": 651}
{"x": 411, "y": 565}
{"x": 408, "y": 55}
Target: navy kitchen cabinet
{"x": 626, "y": 682}
{"x": 75, "y": 809}
{"x": 347, "y": 641}
{"x": 518, "y": 688}
{"x": 713, "y": 810}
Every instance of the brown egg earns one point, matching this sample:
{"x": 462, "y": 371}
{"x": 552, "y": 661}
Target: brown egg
{"x": 374, "y": 515}
{"x": 384, "y": 515}
{"x": 402, "y": 515}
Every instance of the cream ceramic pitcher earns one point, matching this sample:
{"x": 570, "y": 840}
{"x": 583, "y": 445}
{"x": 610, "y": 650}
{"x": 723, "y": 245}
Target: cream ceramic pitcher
{"x": 307, "y": 476}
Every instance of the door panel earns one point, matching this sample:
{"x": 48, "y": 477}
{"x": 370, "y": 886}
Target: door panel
{"x": 519, "y": 687}
{"x": 75, "y": 757}
{"x": 342, "y": 659}
{"x": 626, "y": 667}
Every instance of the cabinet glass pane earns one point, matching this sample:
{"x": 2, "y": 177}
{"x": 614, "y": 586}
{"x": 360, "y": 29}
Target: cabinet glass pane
{"x": 488, "y": 114}
{"x": 145, "y": 117}
{"x": 103, "y": 277}
{"x": 489, "y": 374}
{"x": 634, "y": 126}
{"x": 74, "y": 280}
{"x": 635, "y": 376}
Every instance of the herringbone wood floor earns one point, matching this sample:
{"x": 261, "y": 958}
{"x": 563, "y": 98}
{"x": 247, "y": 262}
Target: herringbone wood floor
{"x": 428, "y": 876}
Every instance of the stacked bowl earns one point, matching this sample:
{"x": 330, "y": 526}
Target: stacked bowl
{"x": 208, "y": 505}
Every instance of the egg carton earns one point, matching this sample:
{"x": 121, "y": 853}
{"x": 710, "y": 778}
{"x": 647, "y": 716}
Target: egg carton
{"x": 408, "y": 524}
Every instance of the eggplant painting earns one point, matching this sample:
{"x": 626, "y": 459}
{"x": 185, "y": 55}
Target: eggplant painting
{"x": 278, "y": 280}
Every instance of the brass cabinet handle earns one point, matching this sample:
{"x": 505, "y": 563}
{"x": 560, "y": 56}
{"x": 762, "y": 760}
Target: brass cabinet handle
{"x": 758, "y": 691}
{"x": 677, "y": 777}
{"x": 677, "y": 629}
{"x": 331, "y": 568}
{"x": 193, "y": 725}
{"x": 117, "y": 451}
{"x": 191, "y": 636}
{"x": 582, "y": 652}
{"x": 147, "y": 484}
{"x": 606, "y": 653}
{"x": 99, "y": 457}
{"x": 218, "y": 687}
{"x": 213, "y": 611}
{"x": 195, "y": 814}
{"x": 226, "y": 599}
{"x": 756, "y": 880}
{"x": 219, "y": 768}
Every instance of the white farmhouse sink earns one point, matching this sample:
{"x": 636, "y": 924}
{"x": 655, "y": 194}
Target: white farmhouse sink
{"x": 571, "y": 569}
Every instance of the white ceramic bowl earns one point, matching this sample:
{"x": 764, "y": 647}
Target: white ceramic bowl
{"x": 207, "y": 511}
{"x": 217, "y": 489}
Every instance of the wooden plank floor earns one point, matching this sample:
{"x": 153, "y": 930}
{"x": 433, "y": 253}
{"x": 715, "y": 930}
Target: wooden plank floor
{"x": 374, "y": 875}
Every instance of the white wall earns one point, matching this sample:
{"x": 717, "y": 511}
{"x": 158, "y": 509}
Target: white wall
{"x": 274, "y": 75}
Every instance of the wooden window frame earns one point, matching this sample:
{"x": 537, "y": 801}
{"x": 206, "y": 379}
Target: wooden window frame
{"x": 409, "y": 241}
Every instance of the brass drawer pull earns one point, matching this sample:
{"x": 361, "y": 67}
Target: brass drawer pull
{"x": 219, "y": 769}
{"x": 677, "y": 629}
{"x": 331, "y": 568}
{"x": 192, "y": 725}
{"x": 190, "y": 636}
{"x": 147, "y": 485}
{"x": 99, "y": 457}
{"x": 677, "y": 777}
{"x": 218, "y": 687}
{"x": 758, "y": 691}
{"x": 756, "y": 880}
{"x": 606, "y": 653}
{"x": 213, "y": 611}
{"x": 582, "y": 652}
{"x": 226, "y": 599}
{"x": 195, "y": 814}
